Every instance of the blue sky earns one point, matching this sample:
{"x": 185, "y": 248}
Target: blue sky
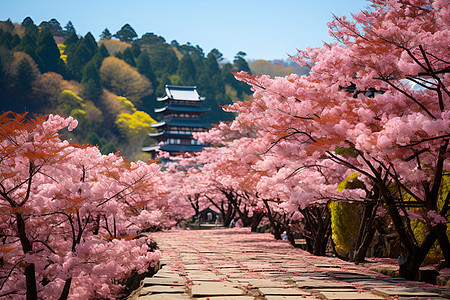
{"x": 263, "y": 29}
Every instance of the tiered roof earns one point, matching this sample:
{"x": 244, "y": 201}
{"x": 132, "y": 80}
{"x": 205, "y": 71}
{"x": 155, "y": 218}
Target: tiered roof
{"x": 174, "y": 128}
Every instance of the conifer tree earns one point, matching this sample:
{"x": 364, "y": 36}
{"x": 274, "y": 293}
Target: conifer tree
{"x": 128, "y": 57}
{"x": 145, "y": 68}
{"x": 83, "y": 51}
{"x": 69, "y": 28}
{"x": 106, "y": 34}
{"x": 27, "y": 22}
{"x": 136, "y": 50}
{"x": 126, "y": 33}
{"x": 71, "y": 39}
{"x": 92, "y": 86}
{"x": 28, "y": 45}
{"x": 48, "y": 53}
{"x": 53, "y": 26}
{"x": 186, "y": 70}
{"x": 15, "y": 41}
{"x": 103, "y": 51}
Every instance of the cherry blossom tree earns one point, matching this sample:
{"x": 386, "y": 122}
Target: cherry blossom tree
{"x": 376, "y": 103}
{"x": 70, "y": 216}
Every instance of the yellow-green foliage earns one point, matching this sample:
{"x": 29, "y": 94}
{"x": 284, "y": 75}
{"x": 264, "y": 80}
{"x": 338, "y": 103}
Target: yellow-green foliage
{"x": 62, "y": 48}
{"x": 134, "y": 126}
{"x": 68, "y": 101}
{"x": 420, "y": 229}
{"x": 345, "y": 222}
{"x": 113, "y": 46}
{"x": 175, "y": 79}
{"x": 349, "y": 182}
{"x": 127, "y": 104}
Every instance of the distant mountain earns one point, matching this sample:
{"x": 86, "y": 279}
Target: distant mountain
{"x": 275, "y": 68}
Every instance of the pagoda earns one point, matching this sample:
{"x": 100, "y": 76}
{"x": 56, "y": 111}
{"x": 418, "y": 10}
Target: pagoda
{"x": 180, "y": 118}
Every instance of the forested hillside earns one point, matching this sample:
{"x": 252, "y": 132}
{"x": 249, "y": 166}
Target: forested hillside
{"x": 109, "y": 86}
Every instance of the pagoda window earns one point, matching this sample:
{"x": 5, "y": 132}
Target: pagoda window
{"x": 195, "y": 142}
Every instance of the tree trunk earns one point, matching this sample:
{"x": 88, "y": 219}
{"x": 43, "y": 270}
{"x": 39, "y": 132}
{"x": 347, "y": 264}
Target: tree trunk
{"x": 276, "y": 230}
{"x": 318, "y": 225}
{"x": 30, "y": 273}
{"x": 366, "y": 233}
{"x": 441, "y": 232}
{"x": 290, "y": 236}
{"x": 66, "y": 289}
{"x": 413, "y": 262}
{"x": 246, "y": 220}
{"x": 322, "y": 234}
{"x": 256, "y": 219}
{"x": 360, "y": 253}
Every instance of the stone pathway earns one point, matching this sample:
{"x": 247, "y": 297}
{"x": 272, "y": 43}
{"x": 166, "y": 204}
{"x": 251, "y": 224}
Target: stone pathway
{"x": 237, "y": 264}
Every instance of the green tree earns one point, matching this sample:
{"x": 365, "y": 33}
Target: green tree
{"x": 150, "y": 39}
{"x": 48, "y": 53}
{"x": 145, "y": 68}
{"x": 162, "y": 82}
{"x": 103, "y": 51}
{"x": 3, "y": 86}
{"x": 128, "y": 57}
{"x": 24, "y": 77}
{"x": 126, "y": 33}
{"x": 189, "y": 49}
{"x": 28, "y": 45}
{"x": 53, "y": 26}
{"x": 92, "y": 86}
{"x": 108, "y": 148}
{"x": 69, "y": 28}
{"x": 163, "y": 59}
{"x": 186, "y": 70}
{"x": 93, "y": 139}
{"x": 30, "y": 27}
{"x": 106, "y": 34}
{"x": 90, "y": 43}
{"x": 27, "y": 22}
{"x": 136, "y": 50}
{"x": 72, "y": 39}
{"x": 5, "y": 39}
{"x": 15, "y": 41}
{"x": 211, "y": 85}
{"x": 79, "y": 55}
{"x": 239, "y": 62}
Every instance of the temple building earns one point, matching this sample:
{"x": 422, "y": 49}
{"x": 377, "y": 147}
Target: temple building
{"x": 180, "y": 118}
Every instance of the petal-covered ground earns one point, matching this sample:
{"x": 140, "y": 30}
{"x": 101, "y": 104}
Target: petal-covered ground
{"x": 237, "y": 264}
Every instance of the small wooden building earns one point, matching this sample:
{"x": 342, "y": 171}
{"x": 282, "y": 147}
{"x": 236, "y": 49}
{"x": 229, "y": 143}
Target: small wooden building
{"x": 208, "y": 216}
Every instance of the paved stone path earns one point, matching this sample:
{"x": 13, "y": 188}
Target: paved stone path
{"x": 237, "y": 264}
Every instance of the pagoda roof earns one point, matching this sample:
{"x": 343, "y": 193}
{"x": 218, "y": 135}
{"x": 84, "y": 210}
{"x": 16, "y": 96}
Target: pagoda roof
{"x": 174, "y": 148}
{"x": 181, "y": 123}
{"x": 181, "y": 93}
{"x": 183, "y": 108}
{"x": 169, "y": 133}
{"x": 150, "y": 149}
{"x": 157, "y": 134}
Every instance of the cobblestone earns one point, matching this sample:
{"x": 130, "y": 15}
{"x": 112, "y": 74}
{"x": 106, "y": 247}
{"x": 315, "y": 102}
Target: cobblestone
{"x": 237, "y": 264}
